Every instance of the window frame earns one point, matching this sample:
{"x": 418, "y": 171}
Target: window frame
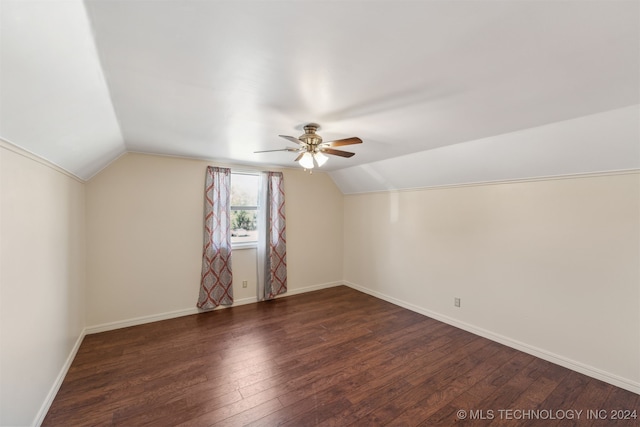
{"x": 256, "y": 208}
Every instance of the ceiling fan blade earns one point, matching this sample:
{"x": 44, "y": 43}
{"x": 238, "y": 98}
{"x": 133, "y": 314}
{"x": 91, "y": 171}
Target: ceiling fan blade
{"x": 299, "y": 157}
{"x": 337, "y": 152}
{"x": 292, "y": 139}
{"x": 282, "y": 149}
{"x": 341, "y": 142}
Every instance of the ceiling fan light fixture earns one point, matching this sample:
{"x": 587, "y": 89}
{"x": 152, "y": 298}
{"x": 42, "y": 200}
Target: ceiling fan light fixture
{"x": 321, "y": 159}
{"x": 306, "y": 161}
{"x": 313, "y": 150}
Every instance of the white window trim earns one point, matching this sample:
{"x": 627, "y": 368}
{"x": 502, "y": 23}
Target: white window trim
{"x": 245, "y": 245}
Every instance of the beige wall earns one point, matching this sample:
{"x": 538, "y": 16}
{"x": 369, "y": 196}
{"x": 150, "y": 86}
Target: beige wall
{"x": 553, "y": 265}
{"x": 42, "y": 278}
{"x": 144, "y": 231}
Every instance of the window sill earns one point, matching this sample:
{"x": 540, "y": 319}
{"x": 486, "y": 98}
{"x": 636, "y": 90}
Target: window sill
{"x": 248, "y": 245}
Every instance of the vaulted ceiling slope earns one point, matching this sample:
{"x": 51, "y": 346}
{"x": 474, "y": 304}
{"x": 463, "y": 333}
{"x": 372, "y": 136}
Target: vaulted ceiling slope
{"x": 83, "y": 82}
{"x": 54, "y": 100}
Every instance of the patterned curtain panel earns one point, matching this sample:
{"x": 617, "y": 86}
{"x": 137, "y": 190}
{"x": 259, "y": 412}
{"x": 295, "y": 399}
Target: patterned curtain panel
{"x": 215, "y": 286}
{"x": 276, "y": 259}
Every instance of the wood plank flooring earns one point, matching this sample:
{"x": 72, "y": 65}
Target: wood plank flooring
{"x": 335, "y": 357}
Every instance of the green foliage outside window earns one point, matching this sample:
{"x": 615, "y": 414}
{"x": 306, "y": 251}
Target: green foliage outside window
{"x": 243, "y": 220}
{"x": 244, "y": 207}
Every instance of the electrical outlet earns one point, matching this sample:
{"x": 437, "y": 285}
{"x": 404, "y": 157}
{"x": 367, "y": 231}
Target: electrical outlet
{"x": 244, "y": 283}
{"x": 456, "y": 302}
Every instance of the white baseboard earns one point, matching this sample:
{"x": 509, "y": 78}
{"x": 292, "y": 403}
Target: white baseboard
{"x": 110, "y": 326}
{"x": 532, "y": 350}
{"x": 58, "y": 382}
{"x": 311, "y": 288}
{"x": 103, "y": 327}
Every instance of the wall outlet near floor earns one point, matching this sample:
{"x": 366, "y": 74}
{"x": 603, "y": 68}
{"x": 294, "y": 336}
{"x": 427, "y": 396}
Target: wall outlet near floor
{"x": 244, "y": 283}
{"x": 456, "y": 302}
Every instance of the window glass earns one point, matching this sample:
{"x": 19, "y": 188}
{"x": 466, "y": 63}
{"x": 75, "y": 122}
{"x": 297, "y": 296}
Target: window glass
{"x": 244, "y": 207}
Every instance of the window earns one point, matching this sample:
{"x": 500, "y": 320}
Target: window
{"x": 244, "y": 208}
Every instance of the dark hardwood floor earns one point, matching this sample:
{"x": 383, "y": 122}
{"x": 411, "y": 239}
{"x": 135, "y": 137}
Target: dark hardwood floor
{"x": 335, "y": 357}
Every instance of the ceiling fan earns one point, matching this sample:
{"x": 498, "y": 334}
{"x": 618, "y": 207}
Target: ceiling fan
{"x": 311, "y": 148}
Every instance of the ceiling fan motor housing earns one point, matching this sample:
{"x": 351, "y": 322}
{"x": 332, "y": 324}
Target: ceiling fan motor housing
{"x": 311, "y": 138}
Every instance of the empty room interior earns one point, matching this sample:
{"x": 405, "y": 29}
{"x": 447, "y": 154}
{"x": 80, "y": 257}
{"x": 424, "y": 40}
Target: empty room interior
{"x": 319, "y": 213}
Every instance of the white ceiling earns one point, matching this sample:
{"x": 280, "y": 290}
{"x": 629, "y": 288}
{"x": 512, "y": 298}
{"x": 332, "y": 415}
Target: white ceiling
{"x": 83, "y": 82}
